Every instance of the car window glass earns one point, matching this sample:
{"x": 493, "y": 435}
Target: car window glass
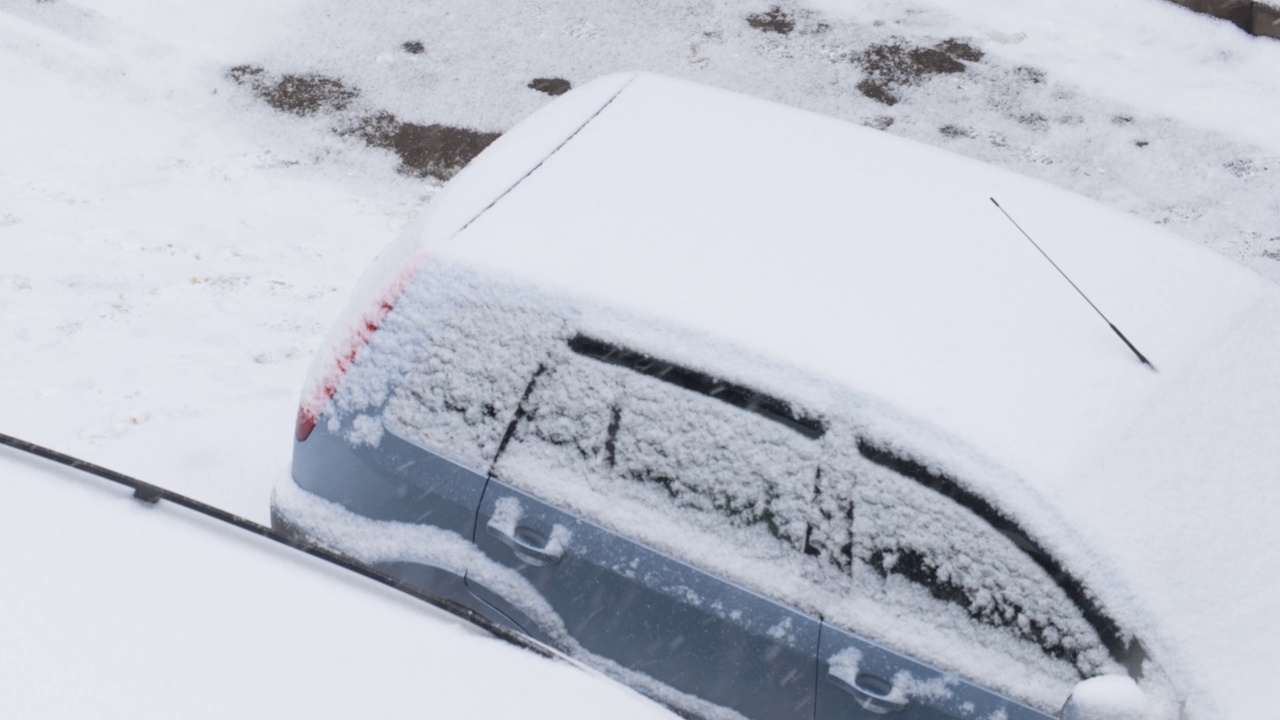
{"x": 712, "y": 475}
{"x": 919, "y": 552}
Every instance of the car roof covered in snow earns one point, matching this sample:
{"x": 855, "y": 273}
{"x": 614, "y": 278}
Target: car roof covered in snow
{"x": 883, "y": 265}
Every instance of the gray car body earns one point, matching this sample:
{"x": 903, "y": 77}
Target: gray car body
{"x": 733, "y": 664}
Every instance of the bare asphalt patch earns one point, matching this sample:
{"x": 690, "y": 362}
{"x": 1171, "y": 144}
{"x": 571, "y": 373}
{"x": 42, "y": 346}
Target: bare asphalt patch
{"x": 892, "y": 65}
{"x": 426, "y": 151}
{"x": 550, "y": 86}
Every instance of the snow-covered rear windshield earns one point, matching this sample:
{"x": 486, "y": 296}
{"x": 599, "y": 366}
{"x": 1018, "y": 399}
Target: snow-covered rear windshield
{"x": 472, "y": 363}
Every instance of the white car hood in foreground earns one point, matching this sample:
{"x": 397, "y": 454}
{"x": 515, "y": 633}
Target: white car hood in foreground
{"x": 882, "y": 264}
{"x": 117, "y": 609}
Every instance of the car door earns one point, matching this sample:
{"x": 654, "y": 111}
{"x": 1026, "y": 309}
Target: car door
{"x": 616, "y": 495}
{"x": 650, "y": 614}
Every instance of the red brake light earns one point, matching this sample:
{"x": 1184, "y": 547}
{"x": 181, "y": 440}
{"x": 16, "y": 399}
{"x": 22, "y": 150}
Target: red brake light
{"x": 309, "y": 414}
{"x": 323, "y": 385}
{"x": 305, "y": 424}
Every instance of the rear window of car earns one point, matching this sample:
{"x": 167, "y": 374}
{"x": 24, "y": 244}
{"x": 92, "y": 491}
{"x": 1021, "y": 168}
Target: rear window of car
{"x": 474, "y": 362}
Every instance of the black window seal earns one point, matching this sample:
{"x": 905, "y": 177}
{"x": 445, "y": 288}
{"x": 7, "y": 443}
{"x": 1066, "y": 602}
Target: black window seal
{"x": 740, "y": 396}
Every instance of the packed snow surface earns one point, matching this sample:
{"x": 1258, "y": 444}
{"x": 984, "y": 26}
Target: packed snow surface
{"x": 173, "y": 250}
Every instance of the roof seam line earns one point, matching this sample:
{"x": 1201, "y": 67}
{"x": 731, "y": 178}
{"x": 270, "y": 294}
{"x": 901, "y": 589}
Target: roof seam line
{"x": 551, "y": 154}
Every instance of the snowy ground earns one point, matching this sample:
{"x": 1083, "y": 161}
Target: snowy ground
{"x": 172, "y": 248}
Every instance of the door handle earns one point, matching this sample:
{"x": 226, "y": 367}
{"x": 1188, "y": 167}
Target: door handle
{"x": 548, "y": 554}
{"x": 870, "y": 692}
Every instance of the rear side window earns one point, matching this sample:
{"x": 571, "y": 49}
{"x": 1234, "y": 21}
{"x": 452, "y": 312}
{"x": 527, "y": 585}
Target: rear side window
{"x": 610, "y": 422}
{"x": 915, "y": 549}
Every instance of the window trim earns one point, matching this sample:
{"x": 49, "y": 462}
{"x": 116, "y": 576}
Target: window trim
{"x": 1130, "y": 654}
{"x": 740, "y": 396}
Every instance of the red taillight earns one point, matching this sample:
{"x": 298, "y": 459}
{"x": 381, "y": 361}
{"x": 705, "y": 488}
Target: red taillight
{"x": 323, "y": 387}
{"x": 305, "y": 424}
{"x": 309, "y": 414}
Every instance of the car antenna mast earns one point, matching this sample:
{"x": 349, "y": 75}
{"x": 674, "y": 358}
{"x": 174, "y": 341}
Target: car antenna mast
{"x": 1110, "y": 324}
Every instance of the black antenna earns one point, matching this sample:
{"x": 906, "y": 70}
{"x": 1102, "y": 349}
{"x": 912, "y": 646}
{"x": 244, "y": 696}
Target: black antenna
{"x": 1110, "y": 324}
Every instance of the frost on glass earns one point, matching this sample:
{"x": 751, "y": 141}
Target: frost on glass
{"x": 624, "y": 434}
{"x": 475, "y": 363}
{"x": 915, "y": 549}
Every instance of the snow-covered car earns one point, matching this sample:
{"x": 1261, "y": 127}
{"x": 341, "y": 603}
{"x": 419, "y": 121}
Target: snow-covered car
{"x": 770, "y": 415}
